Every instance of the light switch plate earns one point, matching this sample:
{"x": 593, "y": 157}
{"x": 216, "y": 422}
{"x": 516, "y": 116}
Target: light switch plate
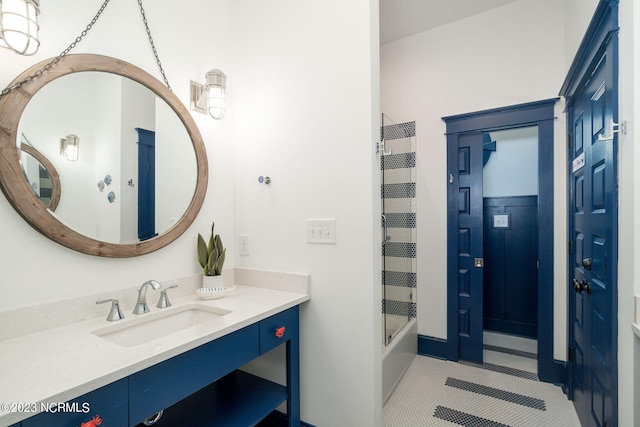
{"x": 243, "y": 241}
{"x": 321, "y": 230}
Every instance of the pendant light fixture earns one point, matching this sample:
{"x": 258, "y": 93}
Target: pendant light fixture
{"x": 19, "y": 25}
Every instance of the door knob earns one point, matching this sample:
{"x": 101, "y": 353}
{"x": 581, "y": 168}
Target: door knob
{"x": 581, "y": 285}
{"x": 577, "y": 286}
{"x": 586, "y": 263}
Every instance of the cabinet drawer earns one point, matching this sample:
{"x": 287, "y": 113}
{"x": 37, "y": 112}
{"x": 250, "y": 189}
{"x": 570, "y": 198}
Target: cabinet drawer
{"x": 271, "y": 334}
{"x": 168, "y": 382}
{"x": 109, "y": 402}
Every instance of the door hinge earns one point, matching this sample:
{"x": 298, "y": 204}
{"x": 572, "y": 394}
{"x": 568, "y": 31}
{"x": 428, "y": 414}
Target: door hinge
{"x": 570, "y": 247}
{"x": 570, "y": 355}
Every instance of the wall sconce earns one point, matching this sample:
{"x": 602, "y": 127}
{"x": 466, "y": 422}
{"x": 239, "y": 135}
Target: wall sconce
{"x": 210, "y": 95}
{"x": 69, "y": 147}
{"x": 19, "y": 25}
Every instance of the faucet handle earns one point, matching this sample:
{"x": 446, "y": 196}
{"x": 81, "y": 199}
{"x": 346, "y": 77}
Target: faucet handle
{"x": 164, "y": 302}
{"x": 114, "y": 312}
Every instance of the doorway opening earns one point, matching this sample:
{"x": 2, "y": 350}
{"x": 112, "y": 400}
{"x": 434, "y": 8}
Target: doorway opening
{"x": 465, "y": 225}
{"x": 510, "y": 247}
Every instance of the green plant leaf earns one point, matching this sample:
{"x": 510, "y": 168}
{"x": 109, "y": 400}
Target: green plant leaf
{"x": 203, "y": 253}
{"x": 211, "y": 255}
{"x": 218, "y": 243}
{"x": 220, "y": 263}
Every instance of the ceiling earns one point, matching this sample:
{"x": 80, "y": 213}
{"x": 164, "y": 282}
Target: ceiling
{"x": 403, "y": 18}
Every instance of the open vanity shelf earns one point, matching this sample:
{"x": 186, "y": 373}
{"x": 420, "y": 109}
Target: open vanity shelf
{"x": 238, "y": 399}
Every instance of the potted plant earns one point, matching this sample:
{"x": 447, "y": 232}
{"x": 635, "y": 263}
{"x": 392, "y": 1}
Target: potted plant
{"x": 211, "y": 258}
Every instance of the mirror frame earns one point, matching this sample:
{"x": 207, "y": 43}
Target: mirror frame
{"x": 24, "y": 200}
{"x": 51, "y": 170}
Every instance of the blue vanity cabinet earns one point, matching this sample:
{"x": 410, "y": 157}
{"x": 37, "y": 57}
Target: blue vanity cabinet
{"x": 238, "y": 399}
{"x": 270, "y": 338}
{"x": 110, "y": 403}
{"x": 200, "y": 387}
{"x": 168, "y": 382}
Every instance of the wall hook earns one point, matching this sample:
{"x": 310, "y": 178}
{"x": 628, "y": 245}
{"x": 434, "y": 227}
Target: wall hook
{"x": 614, "y": 128}
{"x": 264, "y": 179}
{"x": 380, "y": 147}
{"x": 131, "y": 184}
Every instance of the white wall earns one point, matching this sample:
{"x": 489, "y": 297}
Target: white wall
{"x": 578, "y": 14}
{"x": 302, "y": 107}
{"x": 509, "y": 55}
{"x": 512, "y": 170}
{"x": 629, "y": 221}
{"x": 138, "y": 110}
{"x": 175, "y": 172}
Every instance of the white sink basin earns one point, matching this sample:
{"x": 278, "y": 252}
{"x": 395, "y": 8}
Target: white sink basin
{"x": 148, "y": 327}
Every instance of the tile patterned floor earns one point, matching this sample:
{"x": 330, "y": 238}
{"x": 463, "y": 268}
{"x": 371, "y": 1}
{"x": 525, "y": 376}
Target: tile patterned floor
{"x": 435, "y": 392}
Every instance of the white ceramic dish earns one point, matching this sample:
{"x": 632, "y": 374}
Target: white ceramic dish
{"x": 213, "y": 293}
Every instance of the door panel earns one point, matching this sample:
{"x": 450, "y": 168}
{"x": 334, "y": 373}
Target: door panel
{"x": 470, "y": 246}
{"x": 146, "y": 184}
{"x": 594, "y": 188}
{"x": 511, "y": 271}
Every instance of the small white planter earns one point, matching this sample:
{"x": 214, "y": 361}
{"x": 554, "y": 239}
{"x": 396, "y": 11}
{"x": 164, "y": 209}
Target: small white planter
{"x": 212, "y": 281}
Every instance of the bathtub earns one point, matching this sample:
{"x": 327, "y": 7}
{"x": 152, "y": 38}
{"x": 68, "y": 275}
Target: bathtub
{"x": 398, "y": 355}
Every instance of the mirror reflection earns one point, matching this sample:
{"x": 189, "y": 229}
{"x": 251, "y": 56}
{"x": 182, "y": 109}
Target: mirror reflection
{"x": 41, "y": 175}
{"x": 136, "y": 170}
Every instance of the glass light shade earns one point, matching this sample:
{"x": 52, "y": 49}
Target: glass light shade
{"x": 215, "y": 89}
{"x": 216, "y": 102}
{"x": 69, "y": 147}
{"x": 19, "y": 25}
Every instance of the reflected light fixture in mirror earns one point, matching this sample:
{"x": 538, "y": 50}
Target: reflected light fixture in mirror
{"x": 209, "y": 97}
{"x": 19, "y": 25}
{"x": 69, "y": 147}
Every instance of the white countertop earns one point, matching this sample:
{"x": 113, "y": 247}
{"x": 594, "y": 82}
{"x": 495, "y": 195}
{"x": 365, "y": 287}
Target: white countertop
{"x": 61, "y": 364}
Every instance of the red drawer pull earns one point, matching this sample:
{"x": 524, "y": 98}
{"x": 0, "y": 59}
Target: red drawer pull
{"x": 280, "y": 332}
{"x": 94, "y": 422}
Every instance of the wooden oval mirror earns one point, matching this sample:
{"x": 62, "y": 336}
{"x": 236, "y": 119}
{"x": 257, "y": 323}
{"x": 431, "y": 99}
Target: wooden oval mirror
{"x": 141, "y": 173}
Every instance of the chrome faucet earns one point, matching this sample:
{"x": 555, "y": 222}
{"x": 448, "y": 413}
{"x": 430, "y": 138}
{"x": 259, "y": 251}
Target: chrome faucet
{"x": 141, "y": 305}
{"x": 164, "y": 302}
{"x": 114, "y": 312}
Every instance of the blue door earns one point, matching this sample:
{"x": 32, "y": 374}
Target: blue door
{"x": 593, "y": 248}
{"x": 511, "y": 265}
{"x": 146, "y": 184}
{"x": 469, "y": 235}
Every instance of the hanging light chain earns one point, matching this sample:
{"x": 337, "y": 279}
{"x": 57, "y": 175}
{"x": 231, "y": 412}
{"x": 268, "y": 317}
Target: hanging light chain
{"x": 153, "y": 46}
{"x": 57, "y": 59}
{"x": 78, "y": 39}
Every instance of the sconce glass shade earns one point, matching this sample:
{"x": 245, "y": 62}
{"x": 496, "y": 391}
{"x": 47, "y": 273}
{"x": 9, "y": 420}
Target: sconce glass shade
{"x": 19, "y": 25}
{"x": 215, "y": 88}
{"x": 69, "y": 147}
{"x": 209, "y": 97}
